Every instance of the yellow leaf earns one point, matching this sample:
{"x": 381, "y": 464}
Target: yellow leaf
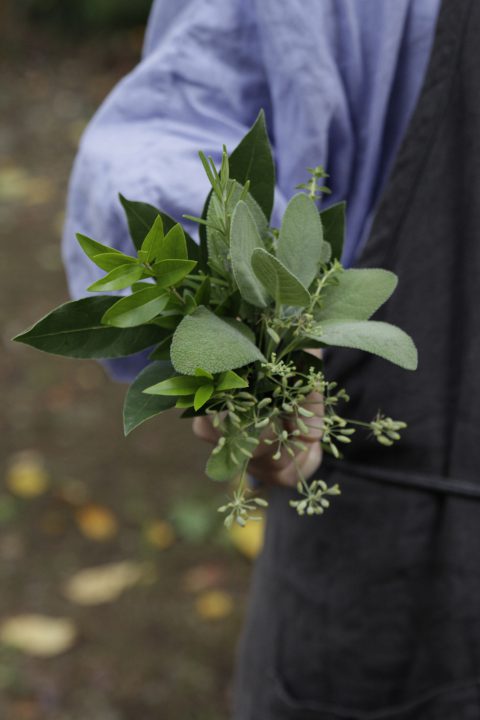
{"x": 96, "y": 522}
{"x": 214, "y": 605}
{"x": 105, "y": 583}
{"x": 160, "y": 534}
{"x": 38, "y": 635}
{"x": 249, "y": 539}
{"x": 26, "y": 475}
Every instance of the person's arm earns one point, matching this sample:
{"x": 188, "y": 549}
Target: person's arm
{"x": 200, "y": 84}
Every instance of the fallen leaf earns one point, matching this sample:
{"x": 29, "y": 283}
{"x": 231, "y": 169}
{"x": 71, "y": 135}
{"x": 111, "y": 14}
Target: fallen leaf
{"x": 249, "y": 539}
{"x": 26, "y": 474}
{"x": 214, "y": 605}
{"x": 160, "y": 534}
{"x": 104, "y": 583}
{"x": 96, "y": 522}
{"x": 203, "y": 577}
{"x": 38, "y": 634}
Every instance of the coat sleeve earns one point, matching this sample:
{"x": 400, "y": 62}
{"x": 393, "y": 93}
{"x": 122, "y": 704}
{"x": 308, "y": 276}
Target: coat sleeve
{"x": 200, "y": 83}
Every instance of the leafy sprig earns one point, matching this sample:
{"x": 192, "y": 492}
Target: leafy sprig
{"x": 229, "y": 321}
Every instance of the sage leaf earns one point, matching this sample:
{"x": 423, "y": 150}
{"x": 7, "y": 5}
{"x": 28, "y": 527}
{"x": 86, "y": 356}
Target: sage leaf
{"x": 137, "y": 309}
{"x": 204, "y": 340}
{"x": 301, "y": 247}
{"x": 357, "y": 295}
{"x": 75, "y": 329}
{"x": 217, "y": 240}
{"x": 333, "y": 221}
{"x": 252, "y": 160}
{"x": 244, "y": 238}
{"x": 171, "y": 272}
{"x": 118, "y": 279}
{"x": 138, "y": 406}
{"x": 379, "y": 338}
{"x": 280, "y": 283}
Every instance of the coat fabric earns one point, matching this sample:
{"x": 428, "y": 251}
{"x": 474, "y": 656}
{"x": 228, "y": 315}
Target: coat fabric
{"x": 372, "y": 611}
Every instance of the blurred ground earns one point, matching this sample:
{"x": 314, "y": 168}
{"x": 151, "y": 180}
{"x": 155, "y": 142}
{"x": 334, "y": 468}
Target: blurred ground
{"x": 74, "y": 492}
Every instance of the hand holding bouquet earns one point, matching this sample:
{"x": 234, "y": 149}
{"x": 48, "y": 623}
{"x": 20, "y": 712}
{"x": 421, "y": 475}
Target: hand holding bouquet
{"x": 230, "y": 320}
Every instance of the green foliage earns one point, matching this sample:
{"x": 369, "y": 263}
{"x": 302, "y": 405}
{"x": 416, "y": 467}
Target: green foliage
{"x": 204, "y": 340}
{"x": 245, "y": 238}
{"x": 356, "y": 294}
{"x": 333, "y": 221}
{"x": 139, "y": 406}
{"x": 76, "y": 330}
{"x": 378, "y": 338}
{"x": 280, "y": 283}
{"x": 137, "y": 309}
{"x": 252, "y": 161}
{"x": 251, "y": 298}
{"x": 301, "y": 247}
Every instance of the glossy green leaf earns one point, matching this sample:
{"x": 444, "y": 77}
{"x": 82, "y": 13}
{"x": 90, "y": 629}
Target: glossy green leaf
{"x": 162, "y": 351}
{"x": 333, "y": 221}
{"x": 136, "y": 309}
{"x": 101, "y": 254}
{"x": 230, "y": 381}
{"x": 174, "y": 245}
{"x": 244, "y": 239}
{"x": 204, "y": 340}
{"x": 200, "y": 372}
{"x": 118, "y": 279}
{"x": 379, "y": 338}
{"x": 140, "y": 218}
{"x": 301, "y": 247}
{"x": 185, "y": 402}
{"x": 152, "y": 244}
{"x": 171, "y": 272}
{"x": 252, "y": 160}
{"x": 110, "y": 261}
{"x": 76, "y": 330}
{"x": 138, "y": 406}
{"x": 202, "y": 395}
{"x": 357, "y": 294}
{"x": 177, "y": 385}
{"x": 280, "y": 283}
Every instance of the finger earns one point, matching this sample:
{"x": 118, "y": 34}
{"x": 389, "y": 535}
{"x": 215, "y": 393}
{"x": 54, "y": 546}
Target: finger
{"x": 203, "y": 429}
{"x": 313, "y": 403}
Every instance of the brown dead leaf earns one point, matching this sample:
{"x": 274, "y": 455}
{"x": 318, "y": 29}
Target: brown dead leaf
{"x": 103, "y": 584}
{"x": 38, "y": 634}
{"x": 96, "y": 522}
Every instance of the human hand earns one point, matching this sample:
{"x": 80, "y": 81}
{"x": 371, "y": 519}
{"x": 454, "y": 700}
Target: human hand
{"x": 283, "y": 471}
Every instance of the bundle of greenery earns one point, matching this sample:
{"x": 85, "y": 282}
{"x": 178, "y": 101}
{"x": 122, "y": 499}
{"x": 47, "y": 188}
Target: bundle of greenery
{"x": 230, "y": 319}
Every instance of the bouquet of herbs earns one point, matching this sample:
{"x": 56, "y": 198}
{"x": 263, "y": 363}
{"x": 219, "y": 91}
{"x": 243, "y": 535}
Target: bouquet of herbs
{"x": 230, "y": 319}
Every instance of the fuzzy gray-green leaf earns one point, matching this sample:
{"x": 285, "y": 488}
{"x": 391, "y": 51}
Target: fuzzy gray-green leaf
{"x": 278, "y": 280}
{"x": 379, "y": 338}
{"x": 357, "y": 294}
{"x": 300, "y": 244}
{"x": 244, "y": 238}
{"x": 204, "y": 340}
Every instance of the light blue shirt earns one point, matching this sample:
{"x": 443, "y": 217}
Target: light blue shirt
{"x": 338, "y": 80}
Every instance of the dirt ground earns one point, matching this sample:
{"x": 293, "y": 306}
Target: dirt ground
{"x": 75, "y": 493}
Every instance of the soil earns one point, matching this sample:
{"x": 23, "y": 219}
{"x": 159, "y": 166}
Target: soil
{"x": 148, "y": 654}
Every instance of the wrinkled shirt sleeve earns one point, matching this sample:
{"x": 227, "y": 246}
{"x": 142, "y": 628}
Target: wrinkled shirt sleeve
{"x": 200, "y": 83}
